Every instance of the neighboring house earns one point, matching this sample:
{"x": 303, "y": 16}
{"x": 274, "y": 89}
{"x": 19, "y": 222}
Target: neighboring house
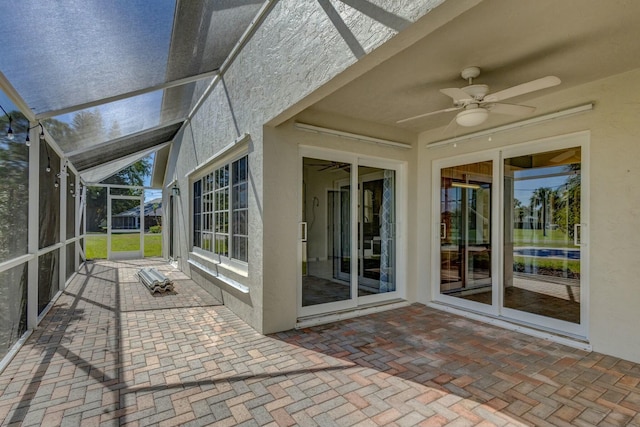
{"x": 130, "y": 219}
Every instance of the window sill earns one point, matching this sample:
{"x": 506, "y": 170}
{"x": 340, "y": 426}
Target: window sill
{"x": 221, "y": 277}
{"x": 207, "y": 259}
{"x": 223, "y": 272}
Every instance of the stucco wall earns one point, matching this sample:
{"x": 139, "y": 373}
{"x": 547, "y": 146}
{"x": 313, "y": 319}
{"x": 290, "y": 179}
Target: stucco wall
{"x": 614, "y": 200}
{"x": 297, "y": 48}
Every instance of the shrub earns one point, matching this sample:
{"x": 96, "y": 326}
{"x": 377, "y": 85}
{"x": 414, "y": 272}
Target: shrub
{"x": 155, "y": 229}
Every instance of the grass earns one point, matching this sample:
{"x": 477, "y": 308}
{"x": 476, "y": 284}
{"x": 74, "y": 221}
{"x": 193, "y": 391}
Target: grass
{"x": 96, "y": 244}
{"x": 553, "y": 239}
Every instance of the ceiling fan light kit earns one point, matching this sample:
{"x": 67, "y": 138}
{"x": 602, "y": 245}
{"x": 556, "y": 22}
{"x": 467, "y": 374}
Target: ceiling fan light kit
{"x": 474, "y": 102}
{"x": 472, "y": 117}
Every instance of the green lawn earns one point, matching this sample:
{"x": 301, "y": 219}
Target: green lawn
{"x": 553, "y": 238}
{"x": 96, "y": 244}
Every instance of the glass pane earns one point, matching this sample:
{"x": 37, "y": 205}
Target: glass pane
{"x": 240, "y": 196}
{"x": 71, "y": 205}
{"x": 197, "y": 200}
{"x": 222, "y": 177}
{"x": 327, "y": 250}
{"x": 542, "y": 215}
{"x": 240, "y": 248}
{"x": 465, "y": 231}
{"x": 14, "y": 185}
{"x": 222, "y": 245}
{"x": 207, "y": 241}
{"x": 13, "y": 306}
{"x": 240, "y": 170}
{"x": 376, "y": 250}
{"x": 48, "y": 278}
{"x": 240, "y": 223}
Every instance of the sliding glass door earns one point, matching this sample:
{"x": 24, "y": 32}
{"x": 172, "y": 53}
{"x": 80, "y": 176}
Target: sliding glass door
{"x": 512, "y": 234}
{"x": 465, "y": 228}
{"x": 543, "y": 230}
{"x": 466, "y": 225}
{"x": 348, "y": 233}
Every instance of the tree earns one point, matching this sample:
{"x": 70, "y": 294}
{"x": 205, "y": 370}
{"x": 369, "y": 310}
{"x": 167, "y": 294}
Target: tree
{"x": 542, "y": 198}
{"x": 567, "y": 212}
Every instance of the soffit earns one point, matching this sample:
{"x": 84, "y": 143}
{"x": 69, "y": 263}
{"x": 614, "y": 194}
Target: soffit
{"x": 512, "y": 42}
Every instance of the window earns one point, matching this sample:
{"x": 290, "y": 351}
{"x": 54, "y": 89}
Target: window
{"x": 220, "y": 211}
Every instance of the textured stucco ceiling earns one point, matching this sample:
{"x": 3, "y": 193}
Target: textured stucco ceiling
{"x": 512, "y": 42}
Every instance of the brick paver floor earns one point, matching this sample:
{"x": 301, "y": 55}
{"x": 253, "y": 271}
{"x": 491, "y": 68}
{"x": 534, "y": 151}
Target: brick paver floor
{"x": 110, "y": 353}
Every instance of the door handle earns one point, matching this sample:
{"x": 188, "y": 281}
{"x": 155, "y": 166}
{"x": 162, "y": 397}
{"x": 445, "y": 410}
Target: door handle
{"x": 443, "y": 230}
{"x": 303, "y": 231}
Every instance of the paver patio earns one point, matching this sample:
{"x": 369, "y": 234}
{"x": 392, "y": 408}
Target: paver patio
{"x": 110, "y": 353}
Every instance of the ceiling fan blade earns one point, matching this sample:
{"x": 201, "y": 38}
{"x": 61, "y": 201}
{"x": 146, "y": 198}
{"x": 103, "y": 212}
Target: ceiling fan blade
{"x": 511, "y": 109}
{"x": 523, "y": 88}
{"x": 446, "y": 110}
{"x": 455, "y": 93}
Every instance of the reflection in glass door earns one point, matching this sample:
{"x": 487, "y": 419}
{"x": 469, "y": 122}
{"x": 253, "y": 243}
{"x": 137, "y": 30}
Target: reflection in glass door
{"x": 348, "y": 236}
{"x": 539, "y": 220}
{"x": 542, "y": 253}
{"x": 326, "y": 229}
{"x": 465, "y": 232}
{"x": 376, "y": 231}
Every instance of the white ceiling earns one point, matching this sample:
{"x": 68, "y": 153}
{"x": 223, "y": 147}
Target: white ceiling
{"x": 512, "y": 42}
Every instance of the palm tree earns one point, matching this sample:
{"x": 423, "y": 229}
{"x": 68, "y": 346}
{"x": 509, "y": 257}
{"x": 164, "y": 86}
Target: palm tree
{"x": 542, "y": 198}
{"x": 567, "y": 213}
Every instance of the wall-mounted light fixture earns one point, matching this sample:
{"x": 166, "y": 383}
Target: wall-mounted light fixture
{"x": 175, "y": 190}
{"x": 9, "y": 131}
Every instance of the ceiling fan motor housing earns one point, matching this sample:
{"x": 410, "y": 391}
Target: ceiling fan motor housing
{"x": 476, "y": 91}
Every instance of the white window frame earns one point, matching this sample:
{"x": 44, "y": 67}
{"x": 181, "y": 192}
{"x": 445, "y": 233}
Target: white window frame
{"x": 200, "y": 174}
{"x": 496, "y": 309}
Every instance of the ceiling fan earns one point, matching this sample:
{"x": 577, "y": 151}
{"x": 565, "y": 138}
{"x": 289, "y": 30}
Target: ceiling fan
{"x": 331, "y": 166}
{"x": 474, "y": 102}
